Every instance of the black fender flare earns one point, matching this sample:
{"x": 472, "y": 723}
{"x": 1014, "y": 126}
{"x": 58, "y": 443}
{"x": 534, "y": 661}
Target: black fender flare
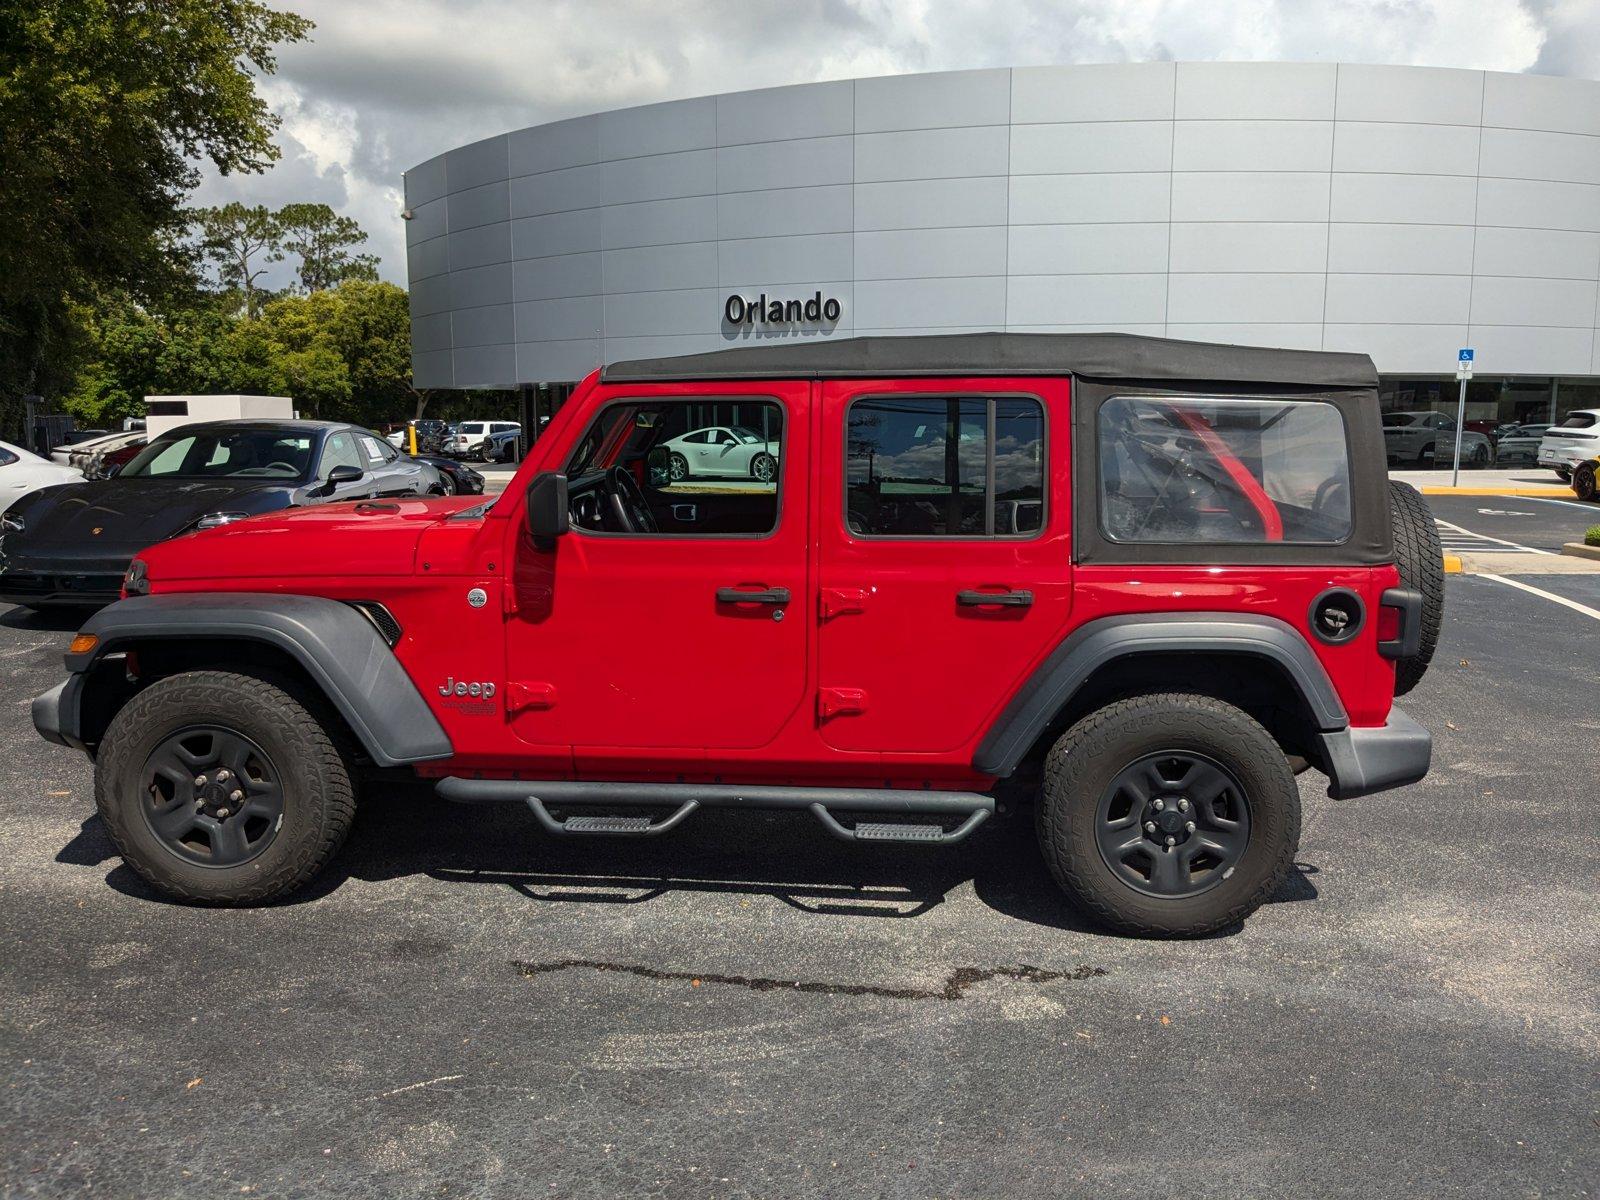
{"x": 338, "y": 647}
{"x": 1101, "y": 641}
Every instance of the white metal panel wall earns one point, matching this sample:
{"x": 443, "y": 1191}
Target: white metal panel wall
{"x": 1400, "y": 211}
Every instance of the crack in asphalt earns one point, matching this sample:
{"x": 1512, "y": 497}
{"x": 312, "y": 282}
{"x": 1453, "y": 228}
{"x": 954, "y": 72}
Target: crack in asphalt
{"x": 955, "y": 987}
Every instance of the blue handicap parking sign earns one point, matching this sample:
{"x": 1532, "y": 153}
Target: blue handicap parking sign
{"x": 1465, "y": 355}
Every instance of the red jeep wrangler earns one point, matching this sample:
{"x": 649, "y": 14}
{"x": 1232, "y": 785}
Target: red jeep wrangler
{"x": 882, "y": 579}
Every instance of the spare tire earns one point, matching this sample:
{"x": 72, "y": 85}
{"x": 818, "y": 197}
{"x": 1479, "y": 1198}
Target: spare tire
{"x": 1420, "y": 557}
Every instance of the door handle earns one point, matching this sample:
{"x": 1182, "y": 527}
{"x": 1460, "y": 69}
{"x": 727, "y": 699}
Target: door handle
{"x": 1008, "y": 599}
{"x": 728, "y": 595}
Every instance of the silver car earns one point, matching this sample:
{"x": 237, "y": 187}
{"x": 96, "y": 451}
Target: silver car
{"x": 1429, "y": 439}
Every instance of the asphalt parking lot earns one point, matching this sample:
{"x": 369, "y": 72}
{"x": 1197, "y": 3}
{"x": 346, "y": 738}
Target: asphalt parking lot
{"x": 465, "y": 1008}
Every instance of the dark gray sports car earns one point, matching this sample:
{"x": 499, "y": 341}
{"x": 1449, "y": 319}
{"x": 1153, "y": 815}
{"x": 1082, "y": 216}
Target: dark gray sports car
{"x": 71, "y": 544}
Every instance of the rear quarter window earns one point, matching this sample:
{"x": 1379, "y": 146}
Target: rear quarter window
{"x": 1188, "y": 469}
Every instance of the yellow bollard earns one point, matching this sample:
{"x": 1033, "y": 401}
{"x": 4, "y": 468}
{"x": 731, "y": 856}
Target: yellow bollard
{"x": 411, "y": 433}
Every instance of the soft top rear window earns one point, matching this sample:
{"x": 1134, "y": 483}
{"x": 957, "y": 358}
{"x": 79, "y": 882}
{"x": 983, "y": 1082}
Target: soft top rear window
{"x": 1195, "y": 469}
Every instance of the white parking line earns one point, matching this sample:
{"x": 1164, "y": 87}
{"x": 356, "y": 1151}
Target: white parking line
{"x": 1486, "y": 538}
{"x": 1594, "y": 508}
{"x": 1561, "y": 600}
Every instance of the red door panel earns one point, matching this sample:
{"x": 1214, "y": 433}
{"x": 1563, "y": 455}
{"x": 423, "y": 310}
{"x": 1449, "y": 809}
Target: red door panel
{"x": 620, "y": 646}
{"x": 923, "y": 638}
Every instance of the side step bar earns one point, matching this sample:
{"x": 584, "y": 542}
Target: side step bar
{"x": 684, "y": 798}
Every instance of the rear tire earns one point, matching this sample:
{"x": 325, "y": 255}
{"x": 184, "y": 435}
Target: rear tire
{"x": 315, "y": 801}
{"x": 1420, "y": 557}
{"x": 1563, "y": 474}
{"x": 1084, "y": 785}
{"x": 1583, "y": 482}
{"x": 763, "y": 468}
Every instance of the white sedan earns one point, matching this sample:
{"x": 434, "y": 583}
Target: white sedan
{"x": 22, "y": 472}
{"x": 727, "y": 451}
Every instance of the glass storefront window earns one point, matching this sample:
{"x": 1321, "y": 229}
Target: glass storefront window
{"x": 1496, "y": 408}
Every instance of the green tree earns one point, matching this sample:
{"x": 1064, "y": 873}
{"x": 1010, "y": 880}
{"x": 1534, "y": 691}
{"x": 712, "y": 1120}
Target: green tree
{"x": 240, "y": 242}
{"x": 105, "y": 108}
{"x": 324, "y": 243}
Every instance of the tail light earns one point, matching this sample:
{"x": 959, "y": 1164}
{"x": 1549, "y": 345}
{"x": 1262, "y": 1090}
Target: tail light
{"x": 1400, "y": 623}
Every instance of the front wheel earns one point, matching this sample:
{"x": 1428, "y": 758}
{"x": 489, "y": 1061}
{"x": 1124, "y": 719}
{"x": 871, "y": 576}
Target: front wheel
{"x": 1583, "y": 482}
{"x": 1168, "y": 815}
{"x": 446, "y": 485}
{"x": 763, "y": 467}
{"x": 222, "y": 788}
{"x": 677, "y": 467}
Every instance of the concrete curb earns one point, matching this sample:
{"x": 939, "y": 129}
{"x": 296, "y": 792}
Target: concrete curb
{"x": 1579, "y": 550}
{"x": 1445, "y": 490}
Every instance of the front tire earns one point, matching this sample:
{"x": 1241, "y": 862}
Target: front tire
{"x": 677, "y": 468}
{"x": 221, "y": 788}
{"x": 1127, "y": 768}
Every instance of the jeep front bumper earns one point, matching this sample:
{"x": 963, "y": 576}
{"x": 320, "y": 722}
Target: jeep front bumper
{"x": 55, "y": 714}
{"x": 1361, "y": 761}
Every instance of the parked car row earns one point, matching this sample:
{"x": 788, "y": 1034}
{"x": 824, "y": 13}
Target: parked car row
{"x": 65, "y": 539}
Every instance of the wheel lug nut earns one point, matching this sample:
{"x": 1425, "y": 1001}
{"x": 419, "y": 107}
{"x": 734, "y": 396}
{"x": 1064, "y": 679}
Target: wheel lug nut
{"x": 1159, "y": 805}
{"x": 1149, "y": 826}
{"x": 1171, "y": 841}
{"x": 222, "y": 812}
{"x": 1183, "y": 806}
{"x": 1188, "y": 826}
{"x": 224, "y": 776}
{"x": 237, "y": 796}
{"x": 199, "y": 781}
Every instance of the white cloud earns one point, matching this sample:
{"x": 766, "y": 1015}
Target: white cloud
{"x": 381, "y": 87}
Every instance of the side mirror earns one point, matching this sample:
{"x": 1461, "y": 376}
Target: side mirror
{"x": 547, "y": 514}
{"x": 658, "y": 468}
{"x": 343, "y": 473}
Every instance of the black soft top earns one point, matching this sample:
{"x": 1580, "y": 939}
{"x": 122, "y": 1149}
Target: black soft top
{"x": 1109, "y": 356}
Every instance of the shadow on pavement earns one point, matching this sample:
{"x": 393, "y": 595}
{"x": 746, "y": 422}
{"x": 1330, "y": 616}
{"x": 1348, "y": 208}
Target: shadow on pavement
{"x": 48, "y": 620}
{"x": 405, "y": 830}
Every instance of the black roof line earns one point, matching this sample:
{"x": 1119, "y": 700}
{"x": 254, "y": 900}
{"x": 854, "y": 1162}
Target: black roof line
{"x": 1110, "y": 356}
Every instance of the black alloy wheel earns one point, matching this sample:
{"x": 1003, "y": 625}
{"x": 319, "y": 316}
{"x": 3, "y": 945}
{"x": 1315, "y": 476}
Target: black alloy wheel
{"x": 1173, "y": 824}
{"x": 1583, "y": 481}
{"x": 213, "y": 797}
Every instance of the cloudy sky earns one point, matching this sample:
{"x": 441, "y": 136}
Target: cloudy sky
{"x": 381, "y": 86}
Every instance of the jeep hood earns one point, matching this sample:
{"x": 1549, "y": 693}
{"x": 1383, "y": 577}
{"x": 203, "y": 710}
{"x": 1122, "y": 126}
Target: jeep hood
{"x": 360, "y": 538}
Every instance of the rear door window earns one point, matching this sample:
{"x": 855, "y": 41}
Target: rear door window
{"x": 1223, "y": 469}
{"x": 945, "y": 466}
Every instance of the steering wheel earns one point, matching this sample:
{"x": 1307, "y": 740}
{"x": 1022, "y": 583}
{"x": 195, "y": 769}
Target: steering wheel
{"x": 627, "y": 501}
{"x": 289, "y": 468}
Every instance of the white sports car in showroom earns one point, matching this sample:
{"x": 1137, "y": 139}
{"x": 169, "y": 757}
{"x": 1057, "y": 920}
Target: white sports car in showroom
{"x": 22, "y": 472}
{"x": 726, "y": 451}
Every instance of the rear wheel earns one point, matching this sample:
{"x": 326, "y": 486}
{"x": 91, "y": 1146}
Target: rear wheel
{"x": 1564, "y": 474}
{"x": 1168, "y": 815}
{"x": 678, "y": 467}
{"x": 1420, "y": 557}
{"x": 762, "y": 467}
{"x": 1583, "y": 481}
{"x": 220, "y": 788}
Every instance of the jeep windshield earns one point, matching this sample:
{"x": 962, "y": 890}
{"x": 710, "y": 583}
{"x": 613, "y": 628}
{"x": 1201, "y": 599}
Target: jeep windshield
{"x": 224, "y": 453}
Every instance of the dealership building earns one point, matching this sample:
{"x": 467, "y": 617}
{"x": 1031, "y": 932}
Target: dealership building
{"x": 1404, "y": 212}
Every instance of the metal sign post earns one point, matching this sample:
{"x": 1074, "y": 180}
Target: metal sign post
{"x": 1463, "y": 373}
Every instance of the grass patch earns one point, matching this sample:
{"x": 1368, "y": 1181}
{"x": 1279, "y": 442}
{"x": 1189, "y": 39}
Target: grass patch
{"x": 1592, "y": 537}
